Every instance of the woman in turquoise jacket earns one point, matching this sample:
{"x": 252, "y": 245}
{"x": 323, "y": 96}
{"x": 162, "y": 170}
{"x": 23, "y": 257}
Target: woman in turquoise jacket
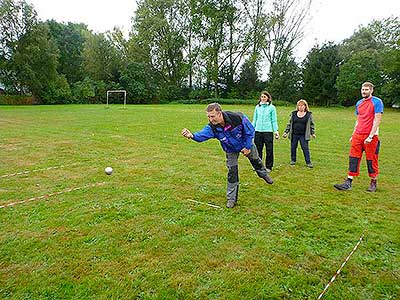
{"x": 266, "y": 125}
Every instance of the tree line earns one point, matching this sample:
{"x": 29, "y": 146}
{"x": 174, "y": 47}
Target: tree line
{"x": 187, "y": 49}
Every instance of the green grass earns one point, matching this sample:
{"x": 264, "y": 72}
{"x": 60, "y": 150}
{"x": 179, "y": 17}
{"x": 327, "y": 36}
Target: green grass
{"x": 138, "y": 236}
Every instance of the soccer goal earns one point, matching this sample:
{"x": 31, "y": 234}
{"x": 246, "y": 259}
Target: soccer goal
{"x": 116, "y": 92}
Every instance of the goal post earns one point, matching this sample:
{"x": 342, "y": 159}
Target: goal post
{"x": 118, "y": 92}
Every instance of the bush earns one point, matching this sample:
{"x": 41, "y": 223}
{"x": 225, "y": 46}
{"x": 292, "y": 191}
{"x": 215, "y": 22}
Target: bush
{"x": 17, "y": 100}
{"x": 199, "y": 94}
{"x": 57, "y": 92}
{"x": 89, "y": 91}
{"x": 212, "y": 100}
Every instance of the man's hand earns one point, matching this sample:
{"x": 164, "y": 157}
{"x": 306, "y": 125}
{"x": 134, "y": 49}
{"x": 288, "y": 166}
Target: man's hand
{"x": 314, "y": 135}
{"x": 186, "y": 133}
{"x": 368, "y": 140}
{"x": 245, "y": 152}
{"x": 284, "y": 135}
{"x": 277, "y": 135}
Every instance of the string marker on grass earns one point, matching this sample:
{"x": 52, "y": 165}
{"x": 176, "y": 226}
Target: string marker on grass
{"x": 341, "y": 267}
{"x": 52, "y": 194}
{"x": 37, "y": 170}
{"x": 212, "y": 205}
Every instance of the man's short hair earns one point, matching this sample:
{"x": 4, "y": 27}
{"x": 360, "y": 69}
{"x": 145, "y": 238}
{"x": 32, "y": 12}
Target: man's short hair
{"x": 213, "y": 106}
{"x": 368, "y": 84}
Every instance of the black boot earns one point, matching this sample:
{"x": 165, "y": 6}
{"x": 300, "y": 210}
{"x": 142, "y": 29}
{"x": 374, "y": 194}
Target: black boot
{"x": 345, "y": 186}
{"x": 372, "y": 186}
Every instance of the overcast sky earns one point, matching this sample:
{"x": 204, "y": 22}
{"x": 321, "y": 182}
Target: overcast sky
{"x": 332, "y": 20}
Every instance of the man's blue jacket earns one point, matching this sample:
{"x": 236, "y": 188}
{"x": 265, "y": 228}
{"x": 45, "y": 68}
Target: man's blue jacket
{"x": 238, "y": 132}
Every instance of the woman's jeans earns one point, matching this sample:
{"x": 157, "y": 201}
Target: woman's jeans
{"x": 304, "y": 146}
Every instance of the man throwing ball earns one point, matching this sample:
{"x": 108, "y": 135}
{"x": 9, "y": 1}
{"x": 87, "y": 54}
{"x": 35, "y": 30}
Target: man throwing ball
{"x": 235, "y": 133}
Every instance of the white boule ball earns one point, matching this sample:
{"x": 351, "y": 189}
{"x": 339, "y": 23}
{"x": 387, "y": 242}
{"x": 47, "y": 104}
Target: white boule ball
{"x": 108, "y": 170}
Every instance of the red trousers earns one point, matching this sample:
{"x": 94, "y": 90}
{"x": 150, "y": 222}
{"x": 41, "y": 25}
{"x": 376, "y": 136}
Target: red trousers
{"x": 371, "y": 153}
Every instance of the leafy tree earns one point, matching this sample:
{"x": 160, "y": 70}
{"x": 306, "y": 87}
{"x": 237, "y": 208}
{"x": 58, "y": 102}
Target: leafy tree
{"x": 248, "y": 79}
{"x": 58, "y": 91}
{"x": 139, "y": 85}
{"x": 35, "y": 65}
{"x": 378, "y": 35}
{"x": 138, "y": 76}
{"x": 70, "y": 41}
{"x": 102, "y": 61}
{"x": 213, "y": 18}
{"x": 158, "y": 26}
{"x": 284, "y": 29}
{"x": 89, "y": 91}
{"x": 238, "y": 44}
{"x": 370, "y": 54}
{"x": 391, "y": 70}
{"x": 284, "y": 79}
{"x": 16, "y": 19}
{"x": 256, "y": 27}
{"x": 362, "y": 66}
{"x": 320, "y": 70}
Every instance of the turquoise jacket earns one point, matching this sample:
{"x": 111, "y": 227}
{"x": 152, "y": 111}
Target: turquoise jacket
{"x": 264, "y": 119}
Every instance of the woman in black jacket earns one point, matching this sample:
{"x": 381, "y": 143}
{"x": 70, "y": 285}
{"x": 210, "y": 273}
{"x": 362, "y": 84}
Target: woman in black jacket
{"x": 300, "y": 129}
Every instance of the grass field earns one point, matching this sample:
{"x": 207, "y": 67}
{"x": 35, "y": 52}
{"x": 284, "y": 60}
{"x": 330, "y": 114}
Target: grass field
{"x": 139, "y": 236}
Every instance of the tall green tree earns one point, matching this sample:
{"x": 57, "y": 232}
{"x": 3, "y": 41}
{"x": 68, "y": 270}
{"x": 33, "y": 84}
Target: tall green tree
{"x": 35, "y": 65}
{"x": 138, "y": 76}
{"x": 101, "y": 59}
{"x": 16, "y": 19}
{"x": 391, "y": 69}
{"x": 284, "y": 78}
{"x": 256, "y": 21}
{"x": 362, "y": 66}
{"x": 370, "y": 54}
{"x": 159, "y": 27}
{"x": 140, "y": 86}
{"x": 70, "y": 40}
{"x": 255, "y": 29}
{"x": 248, "y": 82}
{"x": 284, "y": 28}
{"x": 377, "y": 35}
{"x": 320, "y": 70}
{"x": 213, "y": 18}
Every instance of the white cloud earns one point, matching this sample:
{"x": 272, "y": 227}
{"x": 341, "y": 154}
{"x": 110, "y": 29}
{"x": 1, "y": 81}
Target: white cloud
{"x": 100, "y": 16}
{"x": 337, "y": 20}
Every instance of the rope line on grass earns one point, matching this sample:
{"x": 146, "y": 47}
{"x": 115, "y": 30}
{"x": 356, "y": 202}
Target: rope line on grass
{"x": 198, "y": 202}
{"x": 37, "y": 170}
{"x": 52, "y": 194}
{"x": 341, "y": 267}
